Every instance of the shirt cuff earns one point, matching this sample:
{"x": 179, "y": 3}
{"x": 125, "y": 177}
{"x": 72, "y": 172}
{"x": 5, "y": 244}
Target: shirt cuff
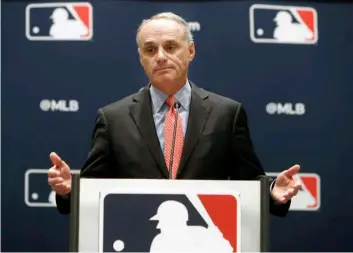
{"x": 271, "y": 187}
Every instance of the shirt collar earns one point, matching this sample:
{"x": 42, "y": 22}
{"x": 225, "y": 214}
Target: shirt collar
{"x": 182, "y": 96}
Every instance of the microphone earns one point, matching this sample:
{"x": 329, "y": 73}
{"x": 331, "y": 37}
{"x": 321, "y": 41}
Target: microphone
{"x": 176, "y": 107}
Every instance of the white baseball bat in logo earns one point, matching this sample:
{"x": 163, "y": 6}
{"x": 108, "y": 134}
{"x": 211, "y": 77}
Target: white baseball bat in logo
{"x": 195, "y": 200}
{"x": 217, "y": 241}
{"x": 304, "y": 198}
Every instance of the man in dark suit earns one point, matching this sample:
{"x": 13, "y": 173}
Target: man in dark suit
{"x": 132, "y": 137}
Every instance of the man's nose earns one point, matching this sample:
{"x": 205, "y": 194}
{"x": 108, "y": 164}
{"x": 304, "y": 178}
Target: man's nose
{"x": 161, "y": 56}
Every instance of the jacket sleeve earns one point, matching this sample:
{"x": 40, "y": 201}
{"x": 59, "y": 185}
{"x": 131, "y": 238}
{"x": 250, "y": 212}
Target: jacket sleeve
{"x": 99, "y": 163}
{"x": 246, "y": 164}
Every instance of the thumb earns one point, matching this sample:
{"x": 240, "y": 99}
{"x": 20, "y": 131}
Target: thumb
{"x": 55, "y": 159}
{"x": 292, "y": 170}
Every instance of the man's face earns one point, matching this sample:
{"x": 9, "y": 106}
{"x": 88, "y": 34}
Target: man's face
{"x": 164, "y": 52}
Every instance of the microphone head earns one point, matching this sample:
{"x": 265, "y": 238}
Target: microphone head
{"x": 177, "y": 105}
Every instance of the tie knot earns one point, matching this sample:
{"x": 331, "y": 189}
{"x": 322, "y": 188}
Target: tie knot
{"x": 170, "y": 101}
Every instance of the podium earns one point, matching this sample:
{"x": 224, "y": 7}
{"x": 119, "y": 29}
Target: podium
{"x": 157, "y": 215}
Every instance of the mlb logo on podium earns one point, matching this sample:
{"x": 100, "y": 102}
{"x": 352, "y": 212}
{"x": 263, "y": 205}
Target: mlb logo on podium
{"x": 59, "y": 21}
{"x": 152, "y": 222}
{"x": 309, "y": 198}
{"x": 283, "y": 24}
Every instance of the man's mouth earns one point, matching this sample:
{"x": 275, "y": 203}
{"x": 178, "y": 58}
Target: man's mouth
{"x": 160, "y": 69}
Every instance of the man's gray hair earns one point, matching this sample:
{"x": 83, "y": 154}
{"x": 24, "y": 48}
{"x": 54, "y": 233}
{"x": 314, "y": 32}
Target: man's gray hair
{"x": 169, "y": 16}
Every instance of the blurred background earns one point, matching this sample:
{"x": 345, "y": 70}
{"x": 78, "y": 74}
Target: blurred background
{"x": 289, "y": 62}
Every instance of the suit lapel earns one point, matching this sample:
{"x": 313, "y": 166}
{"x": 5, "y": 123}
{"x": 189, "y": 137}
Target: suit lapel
{"x": 200, "y": 109}
{"x": 141, "y": 111}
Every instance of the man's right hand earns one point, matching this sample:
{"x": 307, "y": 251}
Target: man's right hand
{"x": 59, "y": 176}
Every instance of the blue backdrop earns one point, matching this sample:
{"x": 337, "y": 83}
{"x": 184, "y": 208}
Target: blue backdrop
{"x": 298, "y": 97}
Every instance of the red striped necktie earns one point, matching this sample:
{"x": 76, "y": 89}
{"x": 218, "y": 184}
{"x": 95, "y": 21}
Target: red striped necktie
{"x": 168, "y": 137}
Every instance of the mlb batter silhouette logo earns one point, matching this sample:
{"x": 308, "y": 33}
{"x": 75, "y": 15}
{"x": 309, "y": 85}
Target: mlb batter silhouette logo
{"x": 59, "y": 21}
{"x": 37, "y": 192}
{"x": 169, "y": 223}
{"x": 283, "y": 24}
{"x": 309, "y": 197}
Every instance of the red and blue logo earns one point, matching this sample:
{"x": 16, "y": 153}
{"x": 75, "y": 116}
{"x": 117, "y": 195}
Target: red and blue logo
{"x": 283, "y": 24}
{"x": 59, "y": 21}
{"x": 309, "y": 198}
{"x": 169, "y": 223}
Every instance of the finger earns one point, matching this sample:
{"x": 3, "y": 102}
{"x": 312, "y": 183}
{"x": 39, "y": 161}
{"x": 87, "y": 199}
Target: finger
{"x": 285, "y": 198}
{"x": 292, "y": 170}
{"x": 282, "y": 200}
{"x": 52, "y": 172}
{"x": 287, "y": 195}
{"x": 56, "y": 180}
{"x": 293, "y": 192}
{"x": 55, "y": 159}
{"x": 290, "y": 193}
{"x": 298, "y": 186}
{"x": 61, "y": 188}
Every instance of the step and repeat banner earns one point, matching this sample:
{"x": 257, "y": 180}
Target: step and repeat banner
{"x": 290, "y": 65}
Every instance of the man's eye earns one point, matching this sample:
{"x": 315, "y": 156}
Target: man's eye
{"x": 171, "y": 47}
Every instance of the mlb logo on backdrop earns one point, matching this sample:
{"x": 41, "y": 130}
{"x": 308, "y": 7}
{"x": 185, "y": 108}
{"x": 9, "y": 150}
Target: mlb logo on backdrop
{"x": 37, "y": 192}
{"x": 169, "y": 223}
{"x": 283, "y": 24}
{"x": 309, "y": 198}
{"x": 59, "y": 21}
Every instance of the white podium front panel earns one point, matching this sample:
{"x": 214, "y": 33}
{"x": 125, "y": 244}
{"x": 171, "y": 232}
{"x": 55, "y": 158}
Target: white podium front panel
{"x": 122, "y": 215}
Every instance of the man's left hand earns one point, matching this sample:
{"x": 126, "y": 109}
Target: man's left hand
{"x": 285, "y": 186}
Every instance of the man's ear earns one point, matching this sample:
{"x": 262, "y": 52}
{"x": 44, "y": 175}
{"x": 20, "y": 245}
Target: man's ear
{"x": 139, "y": 53}
{"x": 192, "y": 51}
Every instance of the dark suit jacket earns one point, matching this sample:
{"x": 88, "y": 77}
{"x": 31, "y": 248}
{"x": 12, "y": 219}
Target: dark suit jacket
{"x": 217, "y": 143}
